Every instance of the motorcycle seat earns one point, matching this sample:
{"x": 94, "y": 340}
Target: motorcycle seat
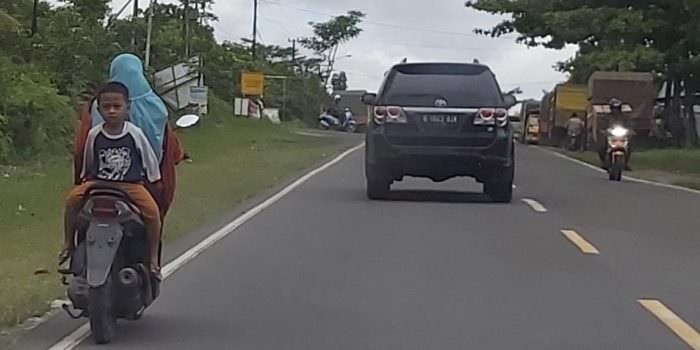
{"x": 113, "y": 192}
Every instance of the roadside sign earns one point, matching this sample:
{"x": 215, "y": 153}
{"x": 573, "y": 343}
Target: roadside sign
{"x": 252, "y": 83}
{"x": 199, "y": 95}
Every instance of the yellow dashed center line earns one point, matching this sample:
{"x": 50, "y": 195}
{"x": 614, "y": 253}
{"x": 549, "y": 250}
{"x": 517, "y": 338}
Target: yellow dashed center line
{"x": 683, "y": 330}
{"x": 580, "y": 242}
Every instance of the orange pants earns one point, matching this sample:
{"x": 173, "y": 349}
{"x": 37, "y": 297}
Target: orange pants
{"x": 139, "y": 196}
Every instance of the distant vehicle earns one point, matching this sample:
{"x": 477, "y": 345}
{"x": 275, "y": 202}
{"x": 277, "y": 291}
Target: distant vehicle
{"x": 617, "y": 151}
{"x": 353, "y": 99}
{"x": 556, "y": 109}
{"x": 636, "y": 89}
{"x": 330, "y": 122}
{"x": 532, "y": 129}
{"x": 516, "y": 125}
{"x": 440, "y": 120}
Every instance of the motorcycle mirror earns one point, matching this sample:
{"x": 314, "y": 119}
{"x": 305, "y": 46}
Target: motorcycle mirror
{"x": 187, "y": 121}
{"x": 369, "y": 99}
{"x": 510, "y": 100}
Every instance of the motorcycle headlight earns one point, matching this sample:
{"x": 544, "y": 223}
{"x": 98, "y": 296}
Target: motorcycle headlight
{"x": 619, "y": 131}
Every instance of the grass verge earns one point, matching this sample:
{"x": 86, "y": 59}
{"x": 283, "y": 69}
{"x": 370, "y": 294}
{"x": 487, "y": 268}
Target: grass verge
{"x": 680, "y": 167}
{"x": 233, "y": 160}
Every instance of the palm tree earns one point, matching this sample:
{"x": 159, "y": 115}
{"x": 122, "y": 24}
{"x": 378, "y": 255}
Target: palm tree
{"x": 7, "y": 22}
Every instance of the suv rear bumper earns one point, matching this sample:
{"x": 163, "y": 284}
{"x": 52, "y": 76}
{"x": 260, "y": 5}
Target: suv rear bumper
{"x": 440, "y": 162}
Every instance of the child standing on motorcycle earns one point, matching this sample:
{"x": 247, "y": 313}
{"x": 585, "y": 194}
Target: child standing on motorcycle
{"x": 117, "y": 155}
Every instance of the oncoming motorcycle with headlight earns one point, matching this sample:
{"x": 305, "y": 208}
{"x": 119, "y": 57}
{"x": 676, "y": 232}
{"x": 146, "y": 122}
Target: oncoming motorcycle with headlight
{"x": 617, "y": 152}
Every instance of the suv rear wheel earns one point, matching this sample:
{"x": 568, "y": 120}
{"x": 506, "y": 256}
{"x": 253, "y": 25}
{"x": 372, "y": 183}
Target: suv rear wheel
{"x": 500, "y": 187}
{"x": 378, "y": 183}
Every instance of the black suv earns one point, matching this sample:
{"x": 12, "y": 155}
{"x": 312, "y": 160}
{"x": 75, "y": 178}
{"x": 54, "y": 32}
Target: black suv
{"x": 440, "y": 120}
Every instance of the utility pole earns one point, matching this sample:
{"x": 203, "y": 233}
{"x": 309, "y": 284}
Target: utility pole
{"x": 202, "y": 15}
{"x": 149, "y": 33}
{"x": 187, "y": 29}
{"x": 294, "y": 51}
{"x": 255, "y": 29}
{"x": 35, "y": 14}
{"x": 134, "y": 18}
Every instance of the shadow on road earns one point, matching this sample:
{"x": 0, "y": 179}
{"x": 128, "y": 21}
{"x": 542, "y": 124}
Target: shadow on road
{"x": 438, "y": 196}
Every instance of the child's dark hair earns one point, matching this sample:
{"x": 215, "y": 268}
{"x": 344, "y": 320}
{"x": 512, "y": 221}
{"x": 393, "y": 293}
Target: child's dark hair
{"x": 114, "y": 87}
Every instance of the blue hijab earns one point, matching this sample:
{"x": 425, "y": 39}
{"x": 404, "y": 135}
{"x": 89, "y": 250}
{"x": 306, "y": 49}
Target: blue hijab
{"x": 147, "y": 110}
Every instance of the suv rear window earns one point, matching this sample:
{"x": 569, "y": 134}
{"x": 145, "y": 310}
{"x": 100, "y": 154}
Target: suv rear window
{"x": 462, "y": 85}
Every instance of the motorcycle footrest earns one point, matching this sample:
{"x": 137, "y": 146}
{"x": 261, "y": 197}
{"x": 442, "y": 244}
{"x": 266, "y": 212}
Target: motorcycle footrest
{"x": 71, "y": 314}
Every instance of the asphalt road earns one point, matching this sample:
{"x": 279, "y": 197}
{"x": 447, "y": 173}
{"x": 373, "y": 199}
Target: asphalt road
{"x": 439, "y": 267}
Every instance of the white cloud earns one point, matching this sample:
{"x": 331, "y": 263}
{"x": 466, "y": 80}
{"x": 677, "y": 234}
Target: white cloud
{"x": 441, "y": 30}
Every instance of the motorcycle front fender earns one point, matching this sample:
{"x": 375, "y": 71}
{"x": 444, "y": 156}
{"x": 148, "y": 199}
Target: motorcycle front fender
{"x": 102, "y": 242}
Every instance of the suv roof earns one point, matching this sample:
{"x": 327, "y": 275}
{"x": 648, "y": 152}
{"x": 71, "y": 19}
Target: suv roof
{"x": 421, "y": 84}
{"x": 442, "y": 66}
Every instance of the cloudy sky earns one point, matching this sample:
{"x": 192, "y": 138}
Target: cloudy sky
{"x": 437, "y": 30}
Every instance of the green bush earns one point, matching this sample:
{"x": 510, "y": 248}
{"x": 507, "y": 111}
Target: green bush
{"x": 34, "y": 118}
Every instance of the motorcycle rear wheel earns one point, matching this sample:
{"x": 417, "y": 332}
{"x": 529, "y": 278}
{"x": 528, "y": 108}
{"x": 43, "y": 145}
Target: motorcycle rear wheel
{"x": 615, "y": 172}
{"x": 101, "y": 313}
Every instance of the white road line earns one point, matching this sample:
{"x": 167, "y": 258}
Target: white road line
{"x": 311, "y": 134}
{"x": 682, "y": 329}
{"x": 74, "y": 339}
{"x": 535, "y": 205}
{"x": 581, "y": 243}
{"x": 628, "y": 178}
{"x": 579, "y": 162}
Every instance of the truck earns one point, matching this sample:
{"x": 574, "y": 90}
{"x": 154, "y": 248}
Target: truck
{"x": 530, "y": 122}
{"x": 558, "y": 106}
{"x": 637, "y": 92}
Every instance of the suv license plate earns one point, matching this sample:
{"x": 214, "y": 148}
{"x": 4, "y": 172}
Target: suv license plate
{"x": 440, "y": 119}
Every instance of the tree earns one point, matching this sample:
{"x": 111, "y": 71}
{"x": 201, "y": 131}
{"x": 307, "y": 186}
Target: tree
{"x": 43, "y": 75}
{"x": 328, "y": 36}
{"x": 7, "y": 22}
{"x": 646, "y": 35}
{"x": 339, "y": 81}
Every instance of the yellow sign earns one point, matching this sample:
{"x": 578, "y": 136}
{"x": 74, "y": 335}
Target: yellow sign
{"x": 572, "y": 97}
{"x": 252, "y": 83}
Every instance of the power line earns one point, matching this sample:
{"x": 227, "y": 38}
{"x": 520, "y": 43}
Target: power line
{"x": 279, "y": 26}
{"x": 219, "y": 29}
{"x": 388, "y": 25}
{"x": 284, "y": 15}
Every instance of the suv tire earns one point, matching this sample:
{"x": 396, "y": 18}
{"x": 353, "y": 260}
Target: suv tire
{"x": 378, "y": 184}
{"x": 500, "y": 187}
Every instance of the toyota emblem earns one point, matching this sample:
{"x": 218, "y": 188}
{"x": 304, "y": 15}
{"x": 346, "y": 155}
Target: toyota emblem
{"x": 440, "y": 102}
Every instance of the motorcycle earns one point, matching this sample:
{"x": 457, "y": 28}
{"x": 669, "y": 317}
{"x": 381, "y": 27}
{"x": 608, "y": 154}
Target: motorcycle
{"x": 572, "y": 143}
{"x": 330, "y": 122}
{"x": 327, "y": 121}
{"x": 107, "y": 277}
{"x": 350, "y": 124}
{"x": 617, "y": 151}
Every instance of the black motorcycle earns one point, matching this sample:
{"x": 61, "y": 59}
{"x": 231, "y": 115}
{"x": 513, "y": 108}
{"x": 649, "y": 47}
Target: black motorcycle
{"x": 109, "y": 278}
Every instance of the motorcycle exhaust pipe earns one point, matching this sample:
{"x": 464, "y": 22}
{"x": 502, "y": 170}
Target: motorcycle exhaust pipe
{"x": 130, "y": 296}
{"x": 128, "y": 277}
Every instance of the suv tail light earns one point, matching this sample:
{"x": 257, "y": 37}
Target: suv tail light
{"x": 501, "y": 116}
{"x": 380, "y": 114}
{"x": 391, "y": 115}
{"x": 491, "y": 116}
